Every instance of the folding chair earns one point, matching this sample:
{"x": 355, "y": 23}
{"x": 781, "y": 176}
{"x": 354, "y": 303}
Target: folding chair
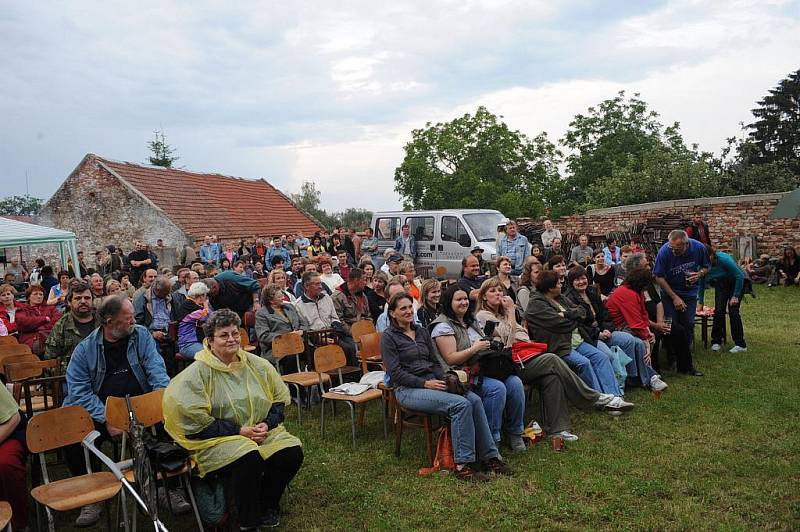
{"x": 5, "y": 515}
{"x": 331, "y": 358}
{"x": 149, "y": 412}
{"x": 287, "y": 345}
{"x": 53, "y": 430}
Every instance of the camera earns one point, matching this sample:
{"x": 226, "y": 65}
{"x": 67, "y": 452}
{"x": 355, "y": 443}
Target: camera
{"x": 488, "y": 331}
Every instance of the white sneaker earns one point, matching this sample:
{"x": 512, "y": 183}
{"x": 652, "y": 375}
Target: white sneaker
{"x": 603, "y": 400}
{"x": 566, "y": 436}
{"x": 90, "y": 515}
{"x": 715, "y": 347}
{"x": 618, "y": 403}
{"x": 656, "y": 384}
{"x": 737, "y": 349}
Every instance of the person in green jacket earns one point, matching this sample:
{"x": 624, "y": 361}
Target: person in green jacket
{"x": 728, "y": 281}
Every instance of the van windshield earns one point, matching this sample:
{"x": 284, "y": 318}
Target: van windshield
{"x": 484, "y": 225}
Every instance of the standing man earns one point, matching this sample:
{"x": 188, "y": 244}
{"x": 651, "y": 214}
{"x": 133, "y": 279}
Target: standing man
{"x": 581, "y": 254}
{"x": 728, "y": 281}
{"x": 698, "y": 230}
{"x": 302, "y": 243}
{"x": 681, "y": 264}
{"x": 369, "y": 246}
{"x": 406, "y": 244}
{"x": 514, "y": 246}
{"x": 549, "y": 234}
{"x": 140, "y": 261}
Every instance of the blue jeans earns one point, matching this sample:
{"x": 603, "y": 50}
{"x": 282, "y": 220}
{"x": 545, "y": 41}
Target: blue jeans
{"x": 503, "y": 399}
{"x": 594, "y": 368}
{"x": 190, "y": 350}
{"x": 634, "y": 347}
{"x": 468, "y": 427}
{"x": 686, "y": 317}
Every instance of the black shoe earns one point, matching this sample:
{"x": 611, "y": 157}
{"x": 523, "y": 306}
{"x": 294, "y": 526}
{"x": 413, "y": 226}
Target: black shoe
{"x": 271, "y": 518}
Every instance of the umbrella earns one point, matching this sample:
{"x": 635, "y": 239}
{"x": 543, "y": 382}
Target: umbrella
{"x": 143, "y": 472}
{"x": 788, "y": 206}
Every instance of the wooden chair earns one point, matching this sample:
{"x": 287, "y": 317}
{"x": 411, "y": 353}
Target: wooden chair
{"x": 370, "y": 352}
{"x": 35, "y": 392}
{"x": 5, "y": 360}
{"x": 149, "y": 412}
{"x": 331, "y": 358}
{"x": 249, "y": 321}
{"x": 404, "y": 417}
{"x": 360, "y": 328}
{"x": 323, "y": 337}
{"x": 14, "y": 349}
{"x": 244, "y": 340}
{"x": 5, "y": 515}
{"x": 287, "y": 345}
{"x": 53, "y": 430}
{"x": 8, "y": 340}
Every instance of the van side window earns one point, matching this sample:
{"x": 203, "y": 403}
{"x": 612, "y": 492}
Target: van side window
{"x": 453, "y": 230}
{"x": 421, "y": 227}
{"x": 387, "y": 228}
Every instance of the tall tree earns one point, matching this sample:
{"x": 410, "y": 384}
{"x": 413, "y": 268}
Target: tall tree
{"x": 476, "y": 161}
{"x": 308, "y": 199}
{"x": 621, "y": 154}
{"x": 358, "y": 219}
{"x": 20, "y": 205}
{"x": 775, "y": 135}
{"x": 163, "y": 153}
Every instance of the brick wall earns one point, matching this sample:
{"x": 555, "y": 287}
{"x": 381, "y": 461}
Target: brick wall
{"x": 728, "y": 218}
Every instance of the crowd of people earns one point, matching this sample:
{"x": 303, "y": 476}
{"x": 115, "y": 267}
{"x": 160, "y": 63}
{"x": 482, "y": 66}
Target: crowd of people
{"x": 587, "y": 323}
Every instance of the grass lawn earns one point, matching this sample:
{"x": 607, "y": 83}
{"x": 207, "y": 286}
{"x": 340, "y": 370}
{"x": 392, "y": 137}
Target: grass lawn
{"x": 717, "y": 452}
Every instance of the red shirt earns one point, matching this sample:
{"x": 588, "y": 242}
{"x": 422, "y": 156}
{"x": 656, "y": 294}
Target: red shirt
{"x": 626, "y": 307}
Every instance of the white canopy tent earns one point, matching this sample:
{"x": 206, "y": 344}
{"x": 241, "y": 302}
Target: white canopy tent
{"x": 14, "y": 233}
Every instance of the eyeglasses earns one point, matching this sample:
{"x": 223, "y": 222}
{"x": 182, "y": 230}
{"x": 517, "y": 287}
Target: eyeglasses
{"x": 225, "y": 336}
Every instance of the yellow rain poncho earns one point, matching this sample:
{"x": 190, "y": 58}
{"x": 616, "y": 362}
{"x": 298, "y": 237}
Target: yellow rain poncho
{"x": 242, "y": 392}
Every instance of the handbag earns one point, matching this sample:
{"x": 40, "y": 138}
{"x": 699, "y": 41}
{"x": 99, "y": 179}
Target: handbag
{"x": 521, "y": 352}
{"x": 165, "y": 456}
{"x": 496, "y": 364}
{"x": 454, "y": 384}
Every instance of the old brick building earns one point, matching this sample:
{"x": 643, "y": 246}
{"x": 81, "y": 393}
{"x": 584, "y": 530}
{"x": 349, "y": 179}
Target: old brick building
{"x": 104, "y": 202}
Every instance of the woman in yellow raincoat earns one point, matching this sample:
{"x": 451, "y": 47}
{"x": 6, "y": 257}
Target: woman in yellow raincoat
{"x": 227, "y": 409}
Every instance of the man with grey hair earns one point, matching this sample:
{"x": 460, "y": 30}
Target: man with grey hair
{"x": 153, "y": 310}
{"x": 118, "y": 358}
{"x": 680, "y": 264}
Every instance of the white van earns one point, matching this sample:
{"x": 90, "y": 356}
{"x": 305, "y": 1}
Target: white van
{"x": 443, "y": 237}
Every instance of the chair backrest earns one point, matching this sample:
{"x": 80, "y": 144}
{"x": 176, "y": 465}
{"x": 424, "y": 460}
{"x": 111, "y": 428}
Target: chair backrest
{"x": 249, "y": 320}
{"x": 56, "y": 428}
{"x": 328, "y": 358}
{"x": 14, "y": 349}
{"x": 286, "y": 345}
{"x": 244, "y": 337}
{"x": 320, "y": 337}
{"x": 360, "y": 328}
{"x": 147, "y": 408}
{"x": 5, "y": 360}
{"x": 8, "y": 340}
{"x": 371, "y": 345}
{"x": 20, "y": 371}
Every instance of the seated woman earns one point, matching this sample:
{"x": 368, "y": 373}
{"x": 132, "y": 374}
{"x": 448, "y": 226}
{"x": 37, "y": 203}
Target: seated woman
{"x": 316, "y": 248}
{"x": 417, "y": 377}
{"x": 376, "y": 296}
{"x": 430, "y": 295}
{"x": 276, "y": 317}
{"x": 36, "y": 320}
{"x": 553, "y": 321}
{"x": 548, "y": 372}
{"x": 113, "y": 287}
{"x": 601, "y": 274}
{"x": 13, "y": 453}
{"x": 504, "y": 268}
{"x": 9, "y": 307}
{"x": 280, "y": 279}
{"x": 458, "y": 339}
{"x": 557, "y": 264}
{"x": 789, "y": 267}
{"x": 191, "y": 316}
{"x": 369, "y": 270}
{"x": 600, "y": 328}
{"x": 627, "y": 306}
{"x": 225, "y": 264}
{"x": 530, "y": 271}
{"x": 332, "y": 280}
{"x": 227, "y": 410}
{"x": 58, "y": 292}
{"x": 407, "y": 270}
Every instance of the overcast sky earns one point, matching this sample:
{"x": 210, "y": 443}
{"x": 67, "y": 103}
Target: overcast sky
{"x": 330, "y": 91}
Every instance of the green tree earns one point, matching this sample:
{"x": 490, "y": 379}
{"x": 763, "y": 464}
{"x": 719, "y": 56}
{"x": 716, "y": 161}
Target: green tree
{"x": 358, "y": 219}
{"x": 775, "y": 135}
{"x": 163, "y": 153}
{"x": 621, "y": 154}
{"x": 476, "y": 161}
{"x": 308, "y": 199}
{"x": 741, "y": 175}
{"x": 20, "y": 205}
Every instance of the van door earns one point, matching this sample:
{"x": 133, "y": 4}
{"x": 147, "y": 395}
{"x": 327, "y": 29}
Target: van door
{"x": 423, "y": 229}
{"x": 387, "y": 229}
{"x": 454, "y": 246}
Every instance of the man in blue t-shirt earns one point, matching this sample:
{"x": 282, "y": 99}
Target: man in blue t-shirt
{"x": 680, "y": 264}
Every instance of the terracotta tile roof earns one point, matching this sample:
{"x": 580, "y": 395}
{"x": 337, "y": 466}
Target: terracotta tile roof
{"x": 231, "y": 207}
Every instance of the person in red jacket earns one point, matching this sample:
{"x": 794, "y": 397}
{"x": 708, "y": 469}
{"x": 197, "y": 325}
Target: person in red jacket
{"x": 36, "y": 319}
{"x": 9, "y": 307}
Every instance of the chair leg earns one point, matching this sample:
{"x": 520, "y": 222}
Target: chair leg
{"x": 426, "y": 421}
{"x": 352, "y": 421}
{"x": 123, "y": 503}
{"x": 322, "y": 417}
{"x": 51, "y": 525}
{"x": 383, "y": 407}
{"x": 107, "y": 510}
{"x": 188, "y": 481}
{"x": 361, "y": 413}
{"x": 398, "y": 430}
{"x": 299, "y": 404}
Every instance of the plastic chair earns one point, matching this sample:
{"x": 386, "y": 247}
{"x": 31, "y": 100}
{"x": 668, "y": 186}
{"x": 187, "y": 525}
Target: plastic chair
{"x": 331, "y": 358}
{"x": 287, "y": 345}
{"x": 53, "y": 430}
{"x": 149, "y": 412}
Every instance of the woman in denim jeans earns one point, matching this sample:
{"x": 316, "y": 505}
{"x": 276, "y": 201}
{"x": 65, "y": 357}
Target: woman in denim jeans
{"x": 457, "y": 340}
{"x": 417, "y": 376}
